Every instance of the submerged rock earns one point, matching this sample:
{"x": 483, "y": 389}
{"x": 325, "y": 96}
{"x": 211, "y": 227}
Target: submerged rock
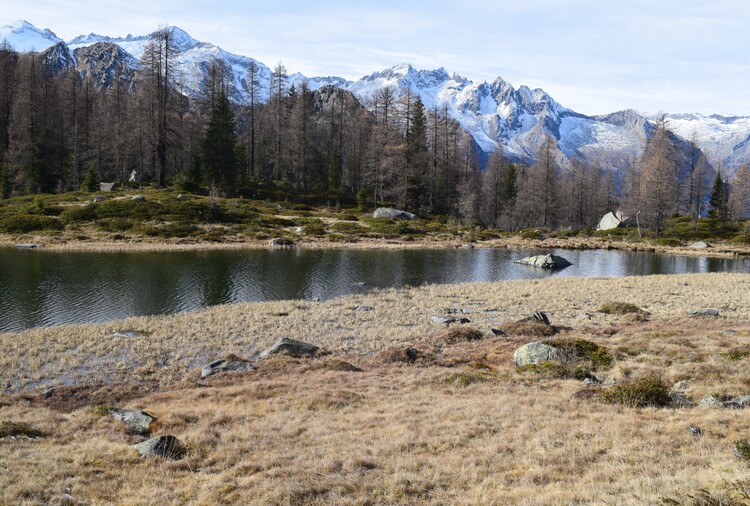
{"x": 545, "y": 261}
{"x": 137, "y": 421}
{"x": 286, "y": 346}
{"x": 168, "y": 447}
{"x": 534, "y": 353}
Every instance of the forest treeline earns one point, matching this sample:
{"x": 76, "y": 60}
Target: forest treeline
{"x": 63, "y": 130}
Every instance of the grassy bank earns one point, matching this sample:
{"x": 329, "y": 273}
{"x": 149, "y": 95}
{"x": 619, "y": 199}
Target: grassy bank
{"x": 458, "y": 425}
{"x": 166, "y": 220}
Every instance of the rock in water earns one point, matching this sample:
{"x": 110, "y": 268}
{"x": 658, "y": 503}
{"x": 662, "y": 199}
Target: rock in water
{"x": 394, "y": 214}
{"x": 225, "y": 364}
{"x": 534, "y": 353}
{"x": 545, "y": 262}
{"x": 168, "y": 447}
{"x": 290, "y": 347}
{"x": 282, "y": 242}
{"x": 137, "y": 421}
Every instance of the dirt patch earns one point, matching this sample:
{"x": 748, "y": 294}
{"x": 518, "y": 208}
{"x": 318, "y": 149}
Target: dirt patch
{"x": 70, "y": 398}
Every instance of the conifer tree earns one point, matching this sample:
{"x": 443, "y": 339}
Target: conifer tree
{"x": 219, "y": 144}
{"x": 717, "y": 204}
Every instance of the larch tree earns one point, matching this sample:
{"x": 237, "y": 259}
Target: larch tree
{"x": 739, "y": 198}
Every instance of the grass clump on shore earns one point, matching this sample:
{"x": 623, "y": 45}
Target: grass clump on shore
{"x": 647, "y": 391}
{"x": 9, "y": 428}
{"x": 583, "y": 351}
{"x": 620, "y": 308}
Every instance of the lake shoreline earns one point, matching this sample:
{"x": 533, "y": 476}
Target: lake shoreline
{"x": 586, "y": 243}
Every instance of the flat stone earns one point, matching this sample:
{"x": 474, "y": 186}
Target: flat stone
{"x": 137, "y": 421}
{"x": 138, "y": 198}
{"x": 224, "y": 365}
{"x": 443, "y": 319}
{"x": 364, "y": 308}
{"x": 281, "y": 242}
{"x": 168, "y": 447}
{"x": 704, "y": 312}
{"x": 286, "y": 346}
{"x": 395, "y": 214}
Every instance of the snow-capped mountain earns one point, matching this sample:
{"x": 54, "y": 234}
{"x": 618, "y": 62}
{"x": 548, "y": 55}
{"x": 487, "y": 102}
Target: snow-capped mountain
{"x": 25, "y": 37}
{"x": 496, "y": 114}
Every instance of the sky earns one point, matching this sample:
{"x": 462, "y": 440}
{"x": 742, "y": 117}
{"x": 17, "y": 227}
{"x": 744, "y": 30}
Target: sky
{"x": 592, "y": 56}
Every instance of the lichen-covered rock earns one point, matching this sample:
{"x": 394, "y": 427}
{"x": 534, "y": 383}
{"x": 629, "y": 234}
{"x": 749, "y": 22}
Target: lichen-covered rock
{"x": 168, "y": 447}
{"x": 137, "y": 421}
{"x": 710, "y": 401}
{"x": 545, "y": 261}
{"x": 738, "y": 402}
{"x": 534, "y": 353}
{"x": 290, "y": 347}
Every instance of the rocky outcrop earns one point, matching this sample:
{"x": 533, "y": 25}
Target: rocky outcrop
{"x": 545, "y": 261}
{"x": 231, "y": 363}
{"x": 534, "y": 353}
{"x": 286, "y": 346}
{"x": 168, "y": 447}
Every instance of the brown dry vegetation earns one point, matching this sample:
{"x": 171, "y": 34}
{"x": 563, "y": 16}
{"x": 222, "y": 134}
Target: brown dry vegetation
{"x": 457, "y": 425}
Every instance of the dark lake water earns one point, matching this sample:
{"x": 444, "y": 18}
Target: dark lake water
{"x": 48, "y": 288}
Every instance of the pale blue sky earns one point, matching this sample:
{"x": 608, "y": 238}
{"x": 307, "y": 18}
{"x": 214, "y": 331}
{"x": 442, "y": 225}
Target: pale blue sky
{"x": 592, "y": 56}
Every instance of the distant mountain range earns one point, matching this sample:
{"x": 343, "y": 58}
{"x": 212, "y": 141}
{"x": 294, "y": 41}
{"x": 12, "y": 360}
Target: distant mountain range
{"x": 495, "y": 114}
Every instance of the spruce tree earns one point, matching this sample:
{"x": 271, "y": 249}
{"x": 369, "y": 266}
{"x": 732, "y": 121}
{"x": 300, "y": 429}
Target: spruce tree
{"x": 219, "y": 156}
{"x": 717, "y": 204}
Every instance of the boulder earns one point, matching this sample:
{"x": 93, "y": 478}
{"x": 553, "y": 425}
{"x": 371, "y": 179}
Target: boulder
{"x": 137, "y": 421}
{"x": 168, "y": 447}
{"x": 710, "y": 401}
{"x": 182, "y": 196}
{"x": 106, "y": 187}
{"x": 225, "y": 364}
{"x": 286, "y": 346}
{"x": 281, "y": 242}
{"x": 608, "y": 222}
{"x": 699, "y": 245}
{"x": 534, "y": 353}
{"x": 138, "y": 198}
{"x": 394, "y": 214}
{"x": 738, "y": 402}
{"x": 545, "y": 261}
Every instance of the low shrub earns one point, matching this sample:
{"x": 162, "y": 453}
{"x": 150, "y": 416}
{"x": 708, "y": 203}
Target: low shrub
{"x": 742, "y": 449}
{"x": 581, "y": 350}
{"x": 738, "y": 353}
{"x": 346, "y": 227}
{"x": 115, "y": 224}
{"x": 466, "y": 378}
{"x": 9, "y": 428}
{"x": 75, "y": 214}
{"x": 22, "y": 223}
{"x": 457, "y": 334}
{"x": 667, "y": 241}
{"x": 647, "y": 391}
{"x": 621, "y": 308}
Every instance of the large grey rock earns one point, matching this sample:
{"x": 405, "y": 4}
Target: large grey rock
{"x": 738, "y": 402}
{"x": 395, "y": 214}
{"x": 290, "y": 347}
{"x": 106, "y": 187}
{"x": 545, "y": 261}
{"x": 168, "y": 447}
{"x": 225, "y": 364}
{"x": 608, "y": 222}
{"x": 534, "y": 353}
{"x": 137, "y": 421}
{"x": 700, "y": 245}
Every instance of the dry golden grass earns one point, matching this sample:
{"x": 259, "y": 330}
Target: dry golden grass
{"x": 458, "y": 426}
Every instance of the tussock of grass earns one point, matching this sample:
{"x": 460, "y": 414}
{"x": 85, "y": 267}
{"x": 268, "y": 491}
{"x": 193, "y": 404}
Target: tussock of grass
{"x": 648, "y": 391}
{"x": 466, "y": 378}
{"x": 457, "y": 334}
{"x": 530, "y": 329}
{"x": 742, "y": 449}
{"x": 620, "y": 308}
{"x": 582, "y": 350}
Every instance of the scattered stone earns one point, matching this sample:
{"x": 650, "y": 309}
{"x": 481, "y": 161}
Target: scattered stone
{"x": 464, "y": 321}
{"x": 138, "y": 198}
{"x": 281, "y": 242}
{"x": 411, "y": 354}
{"x": 679, "y": 400}
{"x": 98, "y": 199}
{"x": 696, "y": 431}
{"x": 447, "y": 320}
{"x": 360, "y": 284}
{"x": 534, "y": 353}
{"x": 137, "y": 421}
{"x": 168, "y": 447}
{"x": 710, "y": 401}
{"x": 738, "y": 402}
{"x": 704, "y": 312}
{"x": 286, "y": 346}
{"x": 497, "y": 332}
{"x": 453, "y": 310}
{"x": 699, "y": 245}
{"x": 231, "y": 363}
{"x": 48, "y": 393}
{"x": 729, "y": 332}
{"x": 181, "y": 196}
{"x": 394, "y": 214}
{"x": 27, "y": 245}
{"x": 604, "y": 380}
{"x": 299, "y": 230}
{"x": 545, "y": 261}
{"x": 681, "y": 386}
{"x": 107, "y": 187}
{"x": 537, "y": 317}
{"x": 364, "y": 308}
